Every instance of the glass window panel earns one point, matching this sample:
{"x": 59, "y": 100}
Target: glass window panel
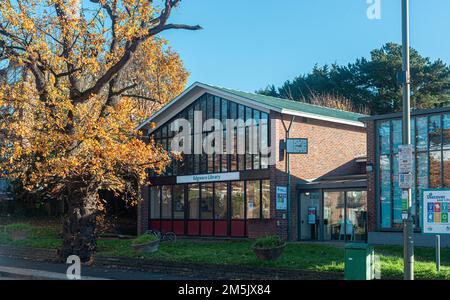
{"x": 233, "y": 111}
{"x": 203, "y": 108}
{"x": 237, "y": 200}
{"x": 422, "y": 133}
{"x": 397, "y": 134}
{"x": 224, "y": 113}
{"x": 266, "y": 199}
{"x": 206, "y": 202}
{"x": 422, "y": 179}
{"x": 241, "y": 148}
{"x": 248, "y": 156}
{"x": 197, "y": 158}
{"x": 385, "y": 191}
{"x": 434, "y": 132}
{"x": 204, "y": 163}
{"x": 412, "y": 131}
{"x": 224, "y": 155}
{"x": 217, "y": 108}
{"x": 446, "y": 131}
{"x": 435, "y": 169}
{"x": 178, "y": 201}
{"x": 397, "y": 194}
{"x": 446, "y": 162}
{"x": 248, "y": 114}
{"x": 241, "y": 113}
{"x": 158, "y": 134}
{"x": 164, "y": 132}
{"x": 220, "y": 201}
{"x": 155, "y": 202}
{"x": 334, "y": 216}
{"x": 357, "y": 214}
{"x": 191, "y": 118}
{"x": 210, "y": 108}
{"x": 193, "y": 200}
{"x": 166, "y": 199}
{"x": 253, "y": 200}
{"x": 384, "y": 133}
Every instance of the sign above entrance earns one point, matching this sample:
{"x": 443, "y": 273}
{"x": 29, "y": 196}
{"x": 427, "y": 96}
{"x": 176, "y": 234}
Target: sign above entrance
{"x": 297, "y": 146}
{"x": 208, "y": 178}
{"x": 435, "y": 211}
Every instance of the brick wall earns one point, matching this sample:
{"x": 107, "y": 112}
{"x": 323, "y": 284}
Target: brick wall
{"x": 332, "y": 150}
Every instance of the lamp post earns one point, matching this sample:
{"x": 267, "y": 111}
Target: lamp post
{"x": 408, "y": 242}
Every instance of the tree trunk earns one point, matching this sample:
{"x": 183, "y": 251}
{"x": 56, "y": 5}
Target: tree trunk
{"x": 79, "y": 236}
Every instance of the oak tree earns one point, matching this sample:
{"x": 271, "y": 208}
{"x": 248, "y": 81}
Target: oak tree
{"x": 90, "y": 72}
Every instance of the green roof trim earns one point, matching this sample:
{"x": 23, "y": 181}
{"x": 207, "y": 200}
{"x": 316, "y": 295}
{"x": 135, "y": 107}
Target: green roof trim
{"x": 284, "y": 104}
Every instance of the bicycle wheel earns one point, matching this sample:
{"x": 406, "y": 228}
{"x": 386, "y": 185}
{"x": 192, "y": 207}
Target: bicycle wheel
{"x": 170, "y": 237}
{"x": 154, "y": 232}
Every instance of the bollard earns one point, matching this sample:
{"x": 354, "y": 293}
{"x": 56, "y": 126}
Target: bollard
{"x": 438, "y": 253}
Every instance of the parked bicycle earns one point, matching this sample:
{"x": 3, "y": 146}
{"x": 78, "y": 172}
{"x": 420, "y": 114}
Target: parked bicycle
{"x": 163, "y": 237}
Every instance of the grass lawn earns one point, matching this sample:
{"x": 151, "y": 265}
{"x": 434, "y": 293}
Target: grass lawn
{"x": 318, "y": 257}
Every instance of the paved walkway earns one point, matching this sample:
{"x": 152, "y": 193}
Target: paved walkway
{"x": 26, "y": 269}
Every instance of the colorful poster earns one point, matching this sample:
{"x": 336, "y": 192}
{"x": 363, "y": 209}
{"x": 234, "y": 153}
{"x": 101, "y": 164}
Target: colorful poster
{"x": 435, "y": 207}
{"x": 312, "y": 215}
{"x": 281, "y": 202}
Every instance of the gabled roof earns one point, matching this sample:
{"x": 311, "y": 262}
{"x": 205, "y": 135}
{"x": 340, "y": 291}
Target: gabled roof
{"x": 266, "y": 103}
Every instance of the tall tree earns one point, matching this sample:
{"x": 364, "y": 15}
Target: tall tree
{"x": 372, "y": 83}
{"x": 70, "y": 122}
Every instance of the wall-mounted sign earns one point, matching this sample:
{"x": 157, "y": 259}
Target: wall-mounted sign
{"x": 312, "y": 215}
{"x": 281, "y": 201}
{"x": 435, "y": 211}
{"x": 208, "y": 178}
{"x": 297, "y": 146}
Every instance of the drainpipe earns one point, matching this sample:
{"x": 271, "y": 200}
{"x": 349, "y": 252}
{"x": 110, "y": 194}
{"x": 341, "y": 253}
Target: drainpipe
{"x": 287, "y": 130}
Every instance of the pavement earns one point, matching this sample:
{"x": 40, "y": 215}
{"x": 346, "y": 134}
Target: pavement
{"x": 27, "y": 269}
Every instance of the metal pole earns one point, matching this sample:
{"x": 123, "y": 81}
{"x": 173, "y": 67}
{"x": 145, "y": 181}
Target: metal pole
{"x": 408, "y": 242}
{"x": 438, "y": 253}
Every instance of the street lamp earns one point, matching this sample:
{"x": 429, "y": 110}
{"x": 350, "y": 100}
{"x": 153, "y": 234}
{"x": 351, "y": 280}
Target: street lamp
{"x": 408, "y": 242}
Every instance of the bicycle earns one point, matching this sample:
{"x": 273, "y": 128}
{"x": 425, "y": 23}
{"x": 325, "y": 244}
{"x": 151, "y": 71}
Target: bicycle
{"x": 163, "y": 237}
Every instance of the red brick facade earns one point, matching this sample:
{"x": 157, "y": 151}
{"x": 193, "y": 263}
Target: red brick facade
{"x": 333, "y": 148}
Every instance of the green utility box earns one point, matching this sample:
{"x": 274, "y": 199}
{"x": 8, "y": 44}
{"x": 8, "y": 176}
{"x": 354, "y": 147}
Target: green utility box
{"x": 359, "y": 262}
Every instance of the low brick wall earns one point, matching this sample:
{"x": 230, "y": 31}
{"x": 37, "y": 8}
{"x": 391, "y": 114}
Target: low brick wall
{"x": 36, "y": 254}
{"x": 209, "y": 271}
{"x": 215, "y": 271}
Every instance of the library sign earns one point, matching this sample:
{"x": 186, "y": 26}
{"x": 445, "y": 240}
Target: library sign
{"x": 435, "y": 211}
{"x": 208, "y": 178}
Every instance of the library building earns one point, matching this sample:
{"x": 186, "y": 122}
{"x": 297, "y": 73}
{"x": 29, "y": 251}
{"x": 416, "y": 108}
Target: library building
{"x": 255, "y": 165}
{"x": 430, "y": 137}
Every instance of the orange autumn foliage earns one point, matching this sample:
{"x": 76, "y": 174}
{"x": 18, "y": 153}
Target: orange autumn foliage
{"x": 92, "y": 70}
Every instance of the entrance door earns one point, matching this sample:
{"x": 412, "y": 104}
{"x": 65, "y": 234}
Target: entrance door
{"x": 310, "y": 216}
{"x": 345, "y": 215}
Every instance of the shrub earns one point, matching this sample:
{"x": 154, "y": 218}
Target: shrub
{"x": 18, "y": 226}
{"x": 145, "y": 238}
{"x": 271, "y": 241}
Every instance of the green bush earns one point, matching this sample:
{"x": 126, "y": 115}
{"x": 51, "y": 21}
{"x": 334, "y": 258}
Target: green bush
{"x": 18, "y": 226}
{"x": 145, "y": 238}
{"x": 271, "y": 241}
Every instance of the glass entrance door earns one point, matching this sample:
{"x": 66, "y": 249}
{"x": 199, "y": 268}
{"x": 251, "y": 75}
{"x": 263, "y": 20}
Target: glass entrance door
{"x": 310, "y": 216}
{"x": 345, "y": 215}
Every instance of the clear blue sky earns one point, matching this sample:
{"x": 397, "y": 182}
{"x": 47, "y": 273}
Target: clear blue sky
{"x": 247, "y": 44}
